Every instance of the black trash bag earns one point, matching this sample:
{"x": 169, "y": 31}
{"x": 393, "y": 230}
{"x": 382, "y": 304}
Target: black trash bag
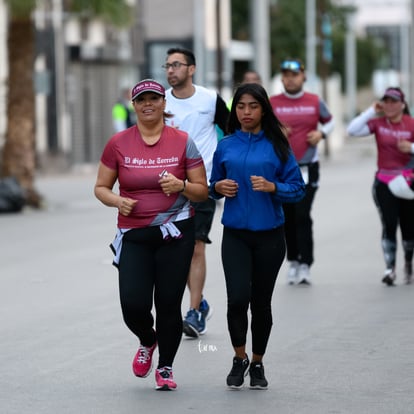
{"x": 12, "y": 195}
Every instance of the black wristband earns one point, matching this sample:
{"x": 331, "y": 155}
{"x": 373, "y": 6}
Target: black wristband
{"x": 183, "y": 186}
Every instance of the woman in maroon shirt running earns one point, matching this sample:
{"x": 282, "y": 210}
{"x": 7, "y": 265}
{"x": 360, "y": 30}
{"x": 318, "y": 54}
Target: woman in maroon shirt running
{"x": 390, "y": 121}
{"x": 159, "y": 171}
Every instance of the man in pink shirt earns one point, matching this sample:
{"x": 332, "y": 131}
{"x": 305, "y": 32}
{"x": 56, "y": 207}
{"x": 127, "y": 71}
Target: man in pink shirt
{"x": 307, "y": 120}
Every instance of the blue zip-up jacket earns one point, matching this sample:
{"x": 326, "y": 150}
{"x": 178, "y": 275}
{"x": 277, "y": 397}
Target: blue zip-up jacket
{"x": 237, "y": 157}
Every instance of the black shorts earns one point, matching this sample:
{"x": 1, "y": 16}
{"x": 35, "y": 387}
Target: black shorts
{"x": 203, "y": 219}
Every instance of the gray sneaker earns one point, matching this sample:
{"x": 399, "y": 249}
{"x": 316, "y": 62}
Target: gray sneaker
{"x": 304, "y": 277}
{"x": 292, "y": 274}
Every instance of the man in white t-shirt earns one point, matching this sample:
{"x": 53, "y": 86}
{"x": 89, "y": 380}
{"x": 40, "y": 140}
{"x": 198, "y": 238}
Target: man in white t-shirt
{"x": 196, "y": 110}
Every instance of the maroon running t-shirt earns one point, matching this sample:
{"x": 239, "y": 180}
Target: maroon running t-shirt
{"x": 387, "y": 135}
{"x": 301, "y": 115}
{"x": 139, "y": 166}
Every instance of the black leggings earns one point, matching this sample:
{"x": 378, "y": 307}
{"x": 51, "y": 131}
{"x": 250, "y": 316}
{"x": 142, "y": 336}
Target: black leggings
{"x": 394, "y": 211}
{"x": 155, "y": 270}
{"x": 299, "y": 223}
{"x": 251, "y": 262}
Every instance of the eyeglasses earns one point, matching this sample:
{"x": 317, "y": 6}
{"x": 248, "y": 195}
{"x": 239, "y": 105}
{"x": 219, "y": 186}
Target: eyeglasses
{"x": 174, "y": 65}
{"x": 292, "y": 65}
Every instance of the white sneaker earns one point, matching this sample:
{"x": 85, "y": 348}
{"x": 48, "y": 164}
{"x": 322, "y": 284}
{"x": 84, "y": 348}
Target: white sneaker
{"x": 389, "y": 277}
{"x": 292, "y": 274}
{"x": 304, "y": 274}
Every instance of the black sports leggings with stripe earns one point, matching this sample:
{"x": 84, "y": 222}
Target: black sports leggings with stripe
{"x": 394, "y": 212}
{"x": 251, "y": 262}
{"x": 153, "y": 270}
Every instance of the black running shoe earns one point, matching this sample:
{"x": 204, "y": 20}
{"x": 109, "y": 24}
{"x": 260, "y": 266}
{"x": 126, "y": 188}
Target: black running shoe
{"x": 257, "y": 377}
{"x": 389, "y": 277}
{"x": 239, "y": 370}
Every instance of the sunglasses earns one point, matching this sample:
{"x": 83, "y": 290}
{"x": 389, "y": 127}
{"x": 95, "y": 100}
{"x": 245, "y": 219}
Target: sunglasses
{"x": 292, "y": 65}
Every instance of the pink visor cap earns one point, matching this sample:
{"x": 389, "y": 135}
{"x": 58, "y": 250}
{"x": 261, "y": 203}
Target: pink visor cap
{"x": 393, "y": 93}
{"x": 147, "y": 85}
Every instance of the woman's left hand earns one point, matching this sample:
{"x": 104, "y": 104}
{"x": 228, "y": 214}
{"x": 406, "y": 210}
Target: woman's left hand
{"x": 314, "y": 137}
{"x": 260, "y": 183}
{"x": 171, "y": 184}
{"x": 404, "y": 146}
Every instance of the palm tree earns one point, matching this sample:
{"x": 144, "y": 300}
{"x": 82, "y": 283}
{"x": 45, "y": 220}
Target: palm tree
{"x": 19, "y": 155}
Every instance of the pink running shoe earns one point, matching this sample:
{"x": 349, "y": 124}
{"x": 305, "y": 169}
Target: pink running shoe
{"x": 142, "y": 363}
{"x": 164, "y": 379}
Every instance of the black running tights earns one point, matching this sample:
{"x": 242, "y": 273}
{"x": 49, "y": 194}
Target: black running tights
{"x": 251, "y": 262}
{"x": 153, "y": 270}
{"x": 394, "y": 212}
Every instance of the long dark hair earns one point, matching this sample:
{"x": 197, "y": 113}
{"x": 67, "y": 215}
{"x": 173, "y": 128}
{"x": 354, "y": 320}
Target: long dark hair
{"x": 271, "y": 126}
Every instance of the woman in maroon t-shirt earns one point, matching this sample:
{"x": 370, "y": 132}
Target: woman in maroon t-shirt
{"x": 390, "y": 121}
{"x": 159, "y": 171}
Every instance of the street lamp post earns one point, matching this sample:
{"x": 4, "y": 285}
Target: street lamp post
{"x": 260, "y": 29}
{"x": 350, "y": 68}
{"x": 311, "y": 44}
{"x": 63, "y": 135}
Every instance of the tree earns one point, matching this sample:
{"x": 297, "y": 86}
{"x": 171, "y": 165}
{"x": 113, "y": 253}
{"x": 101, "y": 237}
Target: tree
{"x": 288, "y": 35}
{"x": 19, "y": 155}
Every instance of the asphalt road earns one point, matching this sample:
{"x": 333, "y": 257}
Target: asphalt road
{"x": 343, "y": 345}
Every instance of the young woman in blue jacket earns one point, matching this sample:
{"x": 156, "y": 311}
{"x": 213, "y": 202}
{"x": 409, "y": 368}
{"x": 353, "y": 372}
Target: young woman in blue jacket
{"x": 255, "y": 170}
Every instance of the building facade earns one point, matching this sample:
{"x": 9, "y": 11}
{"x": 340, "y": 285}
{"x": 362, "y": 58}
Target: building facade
{"x": 102, "y": 63}
{"x": 82, "y": 65}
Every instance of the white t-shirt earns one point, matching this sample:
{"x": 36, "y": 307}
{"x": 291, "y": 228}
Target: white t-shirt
{"x": 195, "y": 115}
